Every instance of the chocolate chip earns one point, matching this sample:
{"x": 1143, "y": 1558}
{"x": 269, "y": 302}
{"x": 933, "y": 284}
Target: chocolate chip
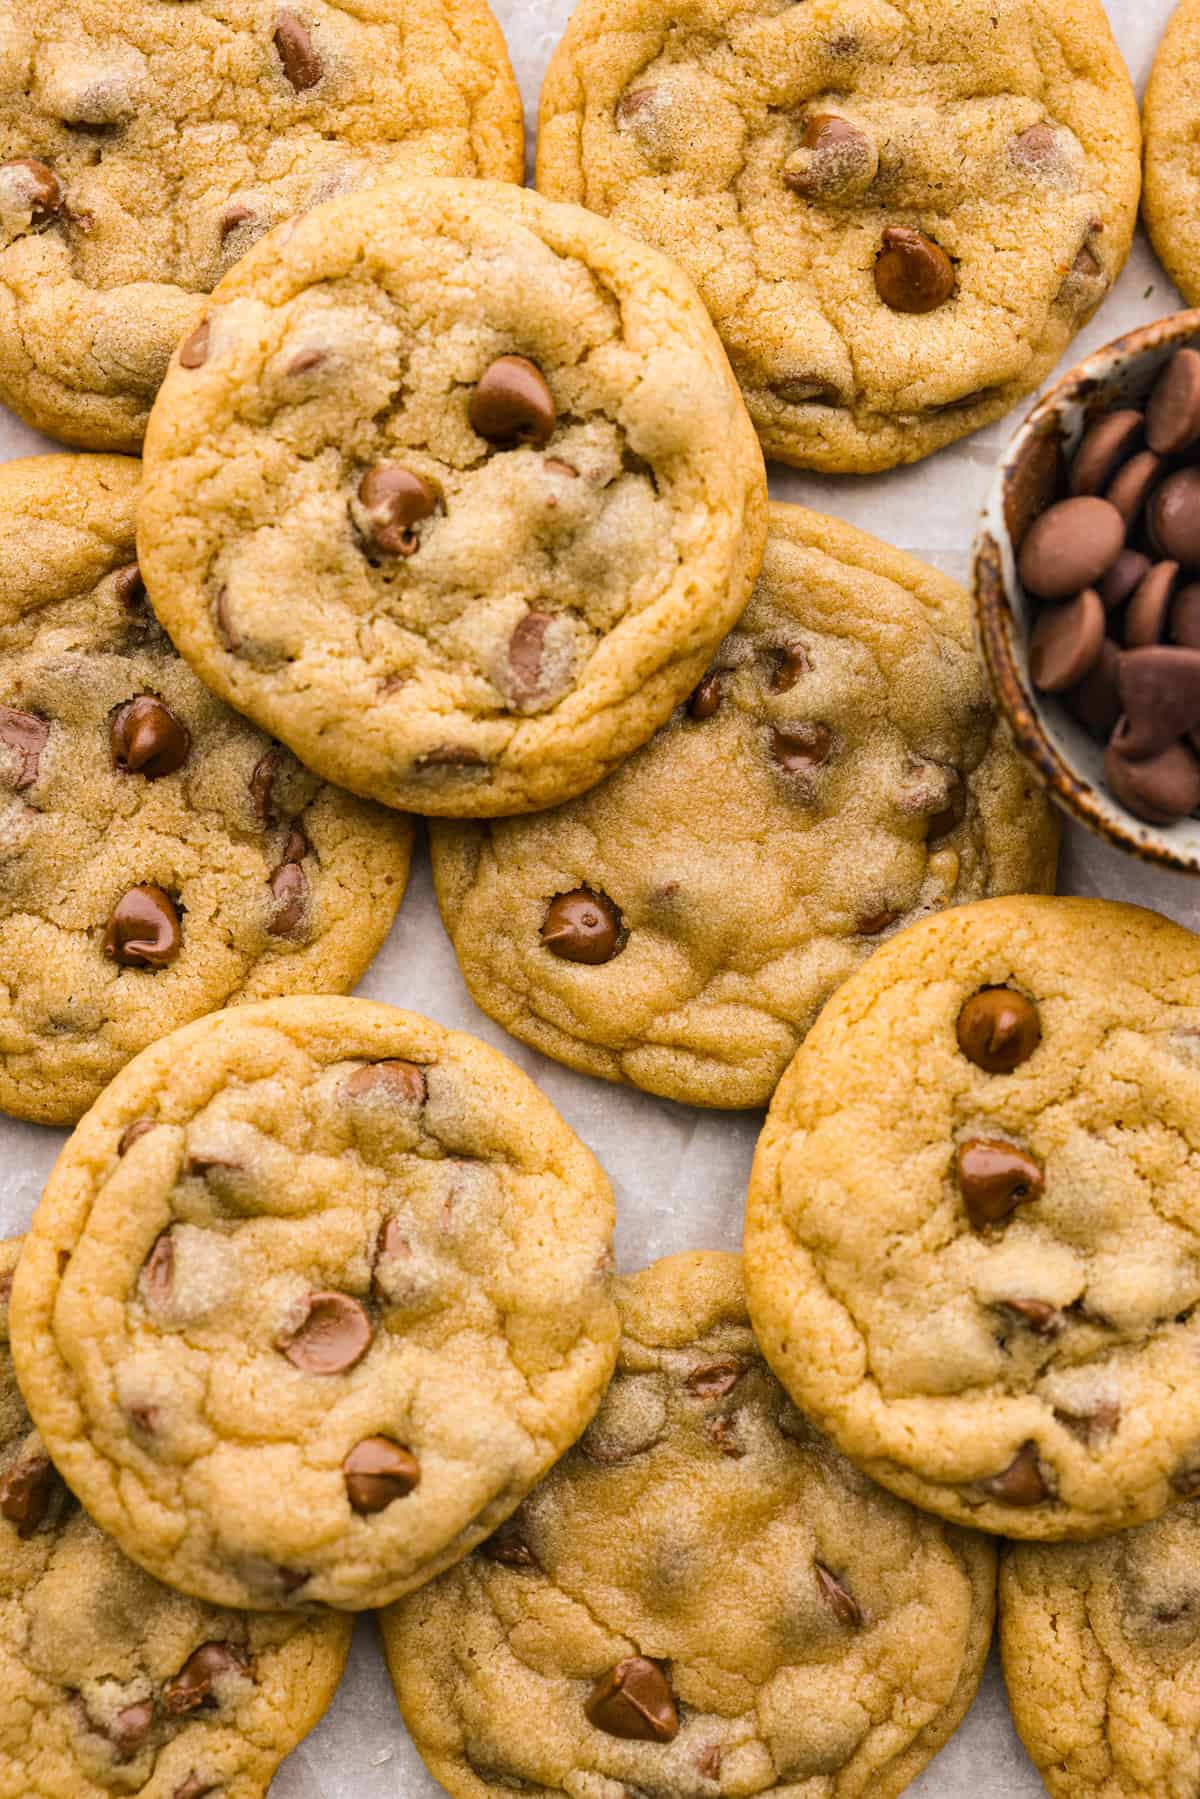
{"x": 998, "y": 1029}
{"x": 722, "y": 1433}
{"x": 1183, "y": 626}
{"x": 193, "y": 351}
{"x": 1066, "y": 641}
{"x": 1071, "y": 546}
{"x": 706, "y": 698}
{"x": 25, "y": 735}
{"x": 834, "y": 157}
{"x": 912, "y": 273}
{"x": 301, "y": 64}
{"x": 583, "y": 926}
{"x": 1160, "y": 694}
{"x": 1130, "y": 486}
{"x": 790, "y": 662}
{"x": 129, "y": 587}
{"x": 1035, "y": 148}
{"x": 197, "y": 1786}
{"x": 333, "y": 1338}
{"x": 234, "y": 215}
{"x": 1173, "y": 409}
{"x": 35, "y": 187}
{"x": 398, "y": 1082}
{"x": 1022, "y": 1482}
{"x": 289, "y": 890}
{"x": 637, "y": 100}
{"x": 633, "y": 1700}
{"x": 948, "y": 817}
{"x": 1093, "y": 1426}
{"x": 870, "y": 924}
{"x": 994, "y": 1178}
{"x": 147, "y": 739}
{"x": 512, "y": 403}
{"x": 25, "y": 1493}
{"x": 393, "y": 501}
{"x": 526, "y": 651}
{"x": 156, "y": 1282}
{"x": 801, "y": 748}
{"x": 1174, "y": 517}
{"x": 143, "y": 929}
{"x": 192, "y": 1687}
{"x": 450, "y": 755}
{"x": 708, "y": 1762}
{"x": 508, "y": 1547}
{"x": 806, "y": 390}
{"x": 1160, "y": 788}
{"x": 263, "y": 776}
{"x": 713, "y": 1380}
{"x": 1123, "y": 578}
{"x": 1104, "y": 444}
{"x": 131, "y": 1727}
{"x": 1033, "y": 482}
{"x": 378, "y": 1471}
{"x": 1096, "y": 702}
{"x": 229, "y": 636}
{"x": 844, "y": 1608}
{"x": 1146, "y": 617}
{"x": 1043, "y": 1319}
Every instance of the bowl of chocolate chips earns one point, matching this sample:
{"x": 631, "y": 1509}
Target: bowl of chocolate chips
{"x": 1087, "y": 591}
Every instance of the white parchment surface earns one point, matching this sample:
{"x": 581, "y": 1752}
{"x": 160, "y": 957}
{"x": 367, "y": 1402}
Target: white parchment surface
{"x": 680, "y": 1175}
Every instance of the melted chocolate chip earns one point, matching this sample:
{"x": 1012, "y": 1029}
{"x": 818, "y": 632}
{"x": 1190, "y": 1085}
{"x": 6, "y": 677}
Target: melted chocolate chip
{"x": 334, "y": 1337}
{"x": 844, "y": 1608}
{"x": 912, "y": 273}
{"x": 634, "y": 1700}
{"x": 512, "y": 403}
{"x": 801, "y": 748}
{"x": 143, "y": 929}
{"x": 1093, "y": 1426}
{"x": 36, "y": 186}
{"x": 301, "y": 64}
{"x": 25, "y": 735}
{"x": 157, "y": 1278}
{"x": 1043, "y": 1319}
{"x": 193, "y": 1686}
{"x": 723, "y": 1434}
{"x": 1022, "y": 1482}
{"x": 25, "y": 1493}
{"x": 998, "y": 1029}
{"x": 790, "y": 662}
{"x": 705, "y": 699}
{"x": 147, "y": 739}
{"x": 377, "y": 1472}
{"x": 994, "y": 1178}
{"x": 526, "y": 652}
{"x": 394, "y": 501}
{"x": 713, "y": 1380}
{"x": 289, "y": 890}
{"x": 131, "y": 1727}
{"x": 402, "y": 1083}
{"x": 508, "y": 1547}
{"x": 193, "y": 351}
{"x": 583, "y": 926}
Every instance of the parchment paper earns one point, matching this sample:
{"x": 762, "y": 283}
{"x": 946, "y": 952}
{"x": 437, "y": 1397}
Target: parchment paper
{"x": 680, "y": 1175}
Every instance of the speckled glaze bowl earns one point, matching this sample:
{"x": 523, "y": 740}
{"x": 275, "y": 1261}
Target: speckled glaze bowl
{"x": 1029, "y": 476}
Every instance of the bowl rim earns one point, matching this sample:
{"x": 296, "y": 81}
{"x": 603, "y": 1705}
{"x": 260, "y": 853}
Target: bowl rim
{"x": 995, "y": 616}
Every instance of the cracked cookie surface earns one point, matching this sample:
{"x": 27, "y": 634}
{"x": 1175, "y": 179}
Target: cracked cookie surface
{"x": 973, "y": 1226}
{"x": 113, "y": 1684}
{"x": 145, "y": 145}
{"x": 334, "y": 1292}
{"x": 838, "y": 771}
{"x": 1169, "y": 204}
{"x": 159, "y": 856}
{"x": 702, "y": 1598}
{"x": 1101, "y": 1649}
{"x": 897, "y": 214}
{"x": 507, "y": 438}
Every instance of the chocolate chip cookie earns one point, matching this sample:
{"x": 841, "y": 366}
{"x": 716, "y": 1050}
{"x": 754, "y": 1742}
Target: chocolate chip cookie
{"x": 898, "y": 216}
{"x": 1101, "y": 1646}
{"x": 971, "y": 1228}
{"x": 144, "y": 146}
{"x": 702, "y": 1598}
{"x": 111, "y": 1683}
{"x": 837, "y": 772}
{"x": 315, "y": 1293}
{"x": 1172, "y": 187}
{"x": 455, "y": 493}
{"x": 159, "y": 856}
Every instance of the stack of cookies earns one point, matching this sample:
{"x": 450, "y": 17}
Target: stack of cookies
{"x": 453, "y": 502}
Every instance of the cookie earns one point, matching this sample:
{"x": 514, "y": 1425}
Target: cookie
{"x": 1172, "y": 156}
{"x": 897, "y": 216}
{"x": 702, "y": 1598}
{"x": 1101, "y": 1647}
{"x": 159, "y": 856}
{"x": 455, "y": 493}
{"x": 145, "y": 146}
{"x": 837, "y": 772}
{"x": 111, "y": 1683}
{"x": 970, "y": 1233}
{"x": 315, "y": 1293}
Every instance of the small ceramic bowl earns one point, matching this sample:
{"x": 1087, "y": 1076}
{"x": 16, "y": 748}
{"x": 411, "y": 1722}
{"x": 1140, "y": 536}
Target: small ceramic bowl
{"x": 1066, "y": 760}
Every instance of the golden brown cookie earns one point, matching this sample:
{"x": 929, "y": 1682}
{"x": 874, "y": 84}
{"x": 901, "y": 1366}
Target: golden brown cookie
{"x": 455, "y": 493}
{"x": 145, "y": 145}
{"x": 837, "y": 772}
{"x": 1169, "y": 204}
{"x": 970, "y": 1233}
{"x": 703, "y": 1598}
{"x": 315, "y": 1293}
{"x": 113, "y": 1684}
{"x": 897, "y": 214}
{"x": 160, "y": 857}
